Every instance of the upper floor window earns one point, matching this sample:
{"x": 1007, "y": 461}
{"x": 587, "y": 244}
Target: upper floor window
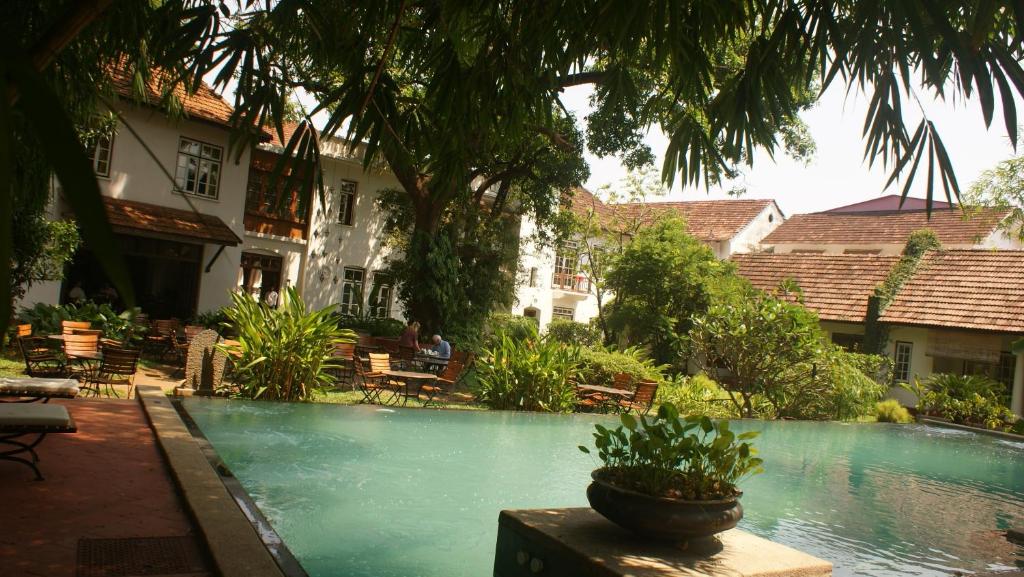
{"x": 99, "y": 154}
{"x": 262, "y": 198}
{"x": 352, "y": 291}
{"x": 379, "y": 303}
{"x": 567, "y": 264}
{"x": 198, "y": 169}
{"x": 346, "y": 201}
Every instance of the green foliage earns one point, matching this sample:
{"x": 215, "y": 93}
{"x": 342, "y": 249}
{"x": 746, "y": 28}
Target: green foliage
{"x": 661, "y": 280}
{"x": 501, "y": 325}
{"x": 876, "y": 334}
{"x": 46, "y": 319}
{"x": 377, "y": 327}
{"x": 41, "y": 247}
{"x": 573, "y": 333}
{"x": 1001, "y": 186}
{"x": 215, "y": 319}
{"x": 285, "y": 353}
{"x": 841, "y": 386}
{"x": 598, "y": 366}
{"x": 891, "y": 411}
{"x": 528, "y": 375}
{"x": 967, "y": 399}
{"x": 692, "y": 458}
{"x": 697, "y": 395}
{"x": 1018, "y": 427}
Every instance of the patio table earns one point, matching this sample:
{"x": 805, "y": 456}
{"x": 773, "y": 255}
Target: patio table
{"x": 407, "y": 378}
{"x": 610, "y": 396}
{"x": 430, "y": 362}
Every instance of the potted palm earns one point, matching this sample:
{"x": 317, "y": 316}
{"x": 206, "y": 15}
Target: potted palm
{"x": 671, "y": 478}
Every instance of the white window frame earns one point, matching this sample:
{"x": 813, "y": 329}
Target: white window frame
{"x": 101, "y": 152}
{"x": 903, "y": 353}
{"x": 205, "y": 156}
{"x": 352, "y": 290}
{"x": 563, "y": 313}
{"x": 382, "y": 285}
{"x": 347, "y": 191}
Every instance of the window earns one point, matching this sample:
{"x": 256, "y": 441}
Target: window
{"x": 849, "y": 341}
{"x": 901, "y": 362}
{"x": 352, "y": 291}
{"x": 99, "y": 154}
{"x": 567, "y": 261}
{"x": 1006, "y": 368}
{"x": 346, "y": 201}
{"x": 198, "y": 171}
{"x": 261, "y": 198}
{"x": 379, "y": 303}
{"x": 562, "y": 313}
{"x": 533, "y": 277}
{"x": 531, "y": 313}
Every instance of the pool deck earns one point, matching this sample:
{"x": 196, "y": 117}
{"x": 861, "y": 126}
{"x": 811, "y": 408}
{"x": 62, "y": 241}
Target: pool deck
{"x": 108, "y": 480}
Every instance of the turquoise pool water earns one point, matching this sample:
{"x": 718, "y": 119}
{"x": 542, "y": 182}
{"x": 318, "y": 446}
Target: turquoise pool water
{"x": 366, "y": 491}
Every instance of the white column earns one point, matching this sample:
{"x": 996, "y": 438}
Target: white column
{"x": 1017, "y": 397}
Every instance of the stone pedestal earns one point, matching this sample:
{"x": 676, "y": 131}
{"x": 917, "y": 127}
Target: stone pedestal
{"x": 580, "y": 542}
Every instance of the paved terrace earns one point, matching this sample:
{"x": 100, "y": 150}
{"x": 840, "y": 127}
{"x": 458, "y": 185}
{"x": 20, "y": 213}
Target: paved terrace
{"x": 108, "y": 481}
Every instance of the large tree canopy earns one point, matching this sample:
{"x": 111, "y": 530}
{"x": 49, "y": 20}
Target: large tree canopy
{"x": 457, "y": 94}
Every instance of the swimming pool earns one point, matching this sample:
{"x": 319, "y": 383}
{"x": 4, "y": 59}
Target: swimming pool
{"x": 366, "y": 491}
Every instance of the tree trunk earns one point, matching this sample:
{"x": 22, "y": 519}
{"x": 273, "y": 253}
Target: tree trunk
{"x": 426, "y": 298}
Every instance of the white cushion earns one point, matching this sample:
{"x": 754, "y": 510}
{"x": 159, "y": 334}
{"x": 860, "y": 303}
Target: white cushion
{"x": 30, "y": 387}
{"x": 15, "y": 415}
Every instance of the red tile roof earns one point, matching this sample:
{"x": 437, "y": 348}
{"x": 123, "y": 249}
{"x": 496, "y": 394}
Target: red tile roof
{"x": 973, "y": 289}
{"x": 885, "y": 227}
{"x": 837, "y": 287}
{"x": 709, "y": 220}
{"x": 582, "y": 202}
{"x": 891, "y": 202}
{"x": 289, "y": 129}
{"x": 143, "y": 219}
{"x": 205, "y": 104}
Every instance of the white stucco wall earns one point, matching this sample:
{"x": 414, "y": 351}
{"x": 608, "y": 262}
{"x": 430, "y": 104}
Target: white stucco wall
{"x": 749, "y": 238}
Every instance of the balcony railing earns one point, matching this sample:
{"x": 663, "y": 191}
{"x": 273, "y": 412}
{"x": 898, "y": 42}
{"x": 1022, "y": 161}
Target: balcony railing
{"x": 571, "y": 282}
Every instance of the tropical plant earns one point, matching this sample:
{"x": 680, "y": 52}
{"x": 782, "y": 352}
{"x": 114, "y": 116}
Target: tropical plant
{"x": 528, "y": 375}
{"x": 661, "y": 280}
{"x": 214, "y": 319}
{"x": 891, "y": 411}
{"x": 691, "y": 458}
{"x": 967, "y": 399}
{"x": 598, "y": 365}
{"x": 283, "y": 354}
{"x": 697, "y": 395}
{"x": 573, "y": 333}
{"x": 46, "y": 319}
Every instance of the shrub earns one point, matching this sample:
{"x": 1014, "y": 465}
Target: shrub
{"x": 692, "y": 458}
{"x": 598, "y": 366}
{"x": 573, "y": 333}
{"x": 516, "y": 328}
{"x": 528, "y": 375}
{"x": 285, "y": 352}
{"x": 891, "y": 411}
{"x": 376, "y": 327}
{"x": 216, "y": 319}
{"x": 842, "y": 386}
{"x": 47, "y": 319}
{"x": 966, "y": 399}
{"x": 697, "y": 395}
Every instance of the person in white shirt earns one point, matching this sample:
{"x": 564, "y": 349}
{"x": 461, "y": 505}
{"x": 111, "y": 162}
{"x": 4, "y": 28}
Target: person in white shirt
{"x": 76, "y": 294}
{"x": 271, "y": 298}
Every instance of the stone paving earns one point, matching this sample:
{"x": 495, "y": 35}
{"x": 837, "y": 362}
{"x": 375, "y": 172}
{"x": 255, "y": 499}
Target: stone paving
{"x": 109, "y": 480}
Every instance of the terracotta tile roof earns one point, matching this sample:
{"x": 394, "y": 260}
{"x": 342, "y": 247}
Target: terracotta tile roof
{"x": 837, "y": 287}
{"x": 289, "y": 129}
{"x": 708, "y": 220}
{"x": 205, "y": 104}
{"x": 143, "y": 219}
{"x": 582, "y": 202}
{"x": 885, "y": 227}
{"x": 972, "y": 289}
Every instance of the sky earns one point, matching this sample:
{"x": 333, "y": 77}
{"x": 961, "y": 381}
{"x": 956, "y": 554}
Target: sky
{"x": 836, "y": 175}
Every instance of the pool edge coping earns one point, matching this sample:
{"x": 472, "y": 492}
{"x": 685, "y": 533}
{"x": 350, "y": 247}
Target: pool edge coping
{"x": 233, "y": 543}
{"x": 951, "y": 425}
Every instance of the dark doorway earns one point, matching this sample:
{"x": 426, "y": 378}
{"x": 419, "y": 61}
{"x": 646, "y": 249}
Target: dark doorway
{"x": 260, "y": 273}
{"x": 165, "y": 275}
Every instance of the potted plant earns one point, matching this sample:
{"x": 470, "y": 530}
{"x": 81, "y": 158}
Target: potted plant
{"x": 671, "y": 478}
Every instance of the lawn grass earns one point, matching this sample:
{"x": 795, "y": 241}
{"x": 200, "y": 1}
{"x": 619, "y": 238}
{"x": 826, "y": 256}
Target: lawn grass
{"x": 11, "y": 364}
{"x": 355, "y": 397}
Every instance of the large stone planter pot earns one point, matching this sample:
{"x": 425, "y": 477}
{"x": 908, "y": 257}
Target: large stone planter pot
{"x": 661, "y": 518}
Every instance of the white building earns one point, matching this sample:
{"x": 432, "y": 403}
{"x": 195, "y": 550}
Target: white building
{"x": 552, "y": 284}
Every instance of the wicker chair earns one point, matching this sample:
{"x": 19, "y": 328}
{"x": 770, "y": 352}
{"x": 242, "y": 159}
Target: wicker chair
{"x": 117, "y": 368}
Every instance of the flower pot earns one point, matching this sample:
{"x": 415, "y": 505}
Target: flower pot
{"x": 661, "y": 518}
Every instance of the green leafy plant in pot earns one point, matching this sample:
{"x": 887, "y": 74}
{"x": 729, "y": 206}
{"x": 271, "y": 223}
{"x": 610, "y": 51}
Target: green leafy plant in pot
{"x": 671, "y": 478}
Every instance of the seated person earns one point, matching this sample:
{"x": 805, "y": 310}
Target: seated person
{"x": 410, "y": 336}
{"x": 441, "y": 347}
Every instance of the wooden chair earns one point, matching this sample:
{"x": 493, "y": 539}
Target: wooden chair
{"x": 24, "y": 330}
{"x": 441, "y": 389}
{"x": 117, "y": 368}
{"x": 344, "y": 357}
{"x": 160, "y": 338}
{"x": 81, "y": 353}
{"x": 68, "y": 327}
{"x": 40, "y": 360}
{"x": 379, "y": 363}
{"x": 405, "y": 356}
{"x": 370, "y": 383}
{"x": 643, "y": 398}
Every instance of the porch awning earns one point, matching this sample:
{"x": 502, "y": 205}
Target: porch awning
{"x": 153, "y": 221}
{"x": 981, "y": 347}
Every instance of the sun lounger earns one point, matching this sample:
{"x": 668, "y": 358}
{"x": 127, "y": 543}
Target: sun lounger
{"x": 37, "y": 389}
{"x": 33, "y": 421}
